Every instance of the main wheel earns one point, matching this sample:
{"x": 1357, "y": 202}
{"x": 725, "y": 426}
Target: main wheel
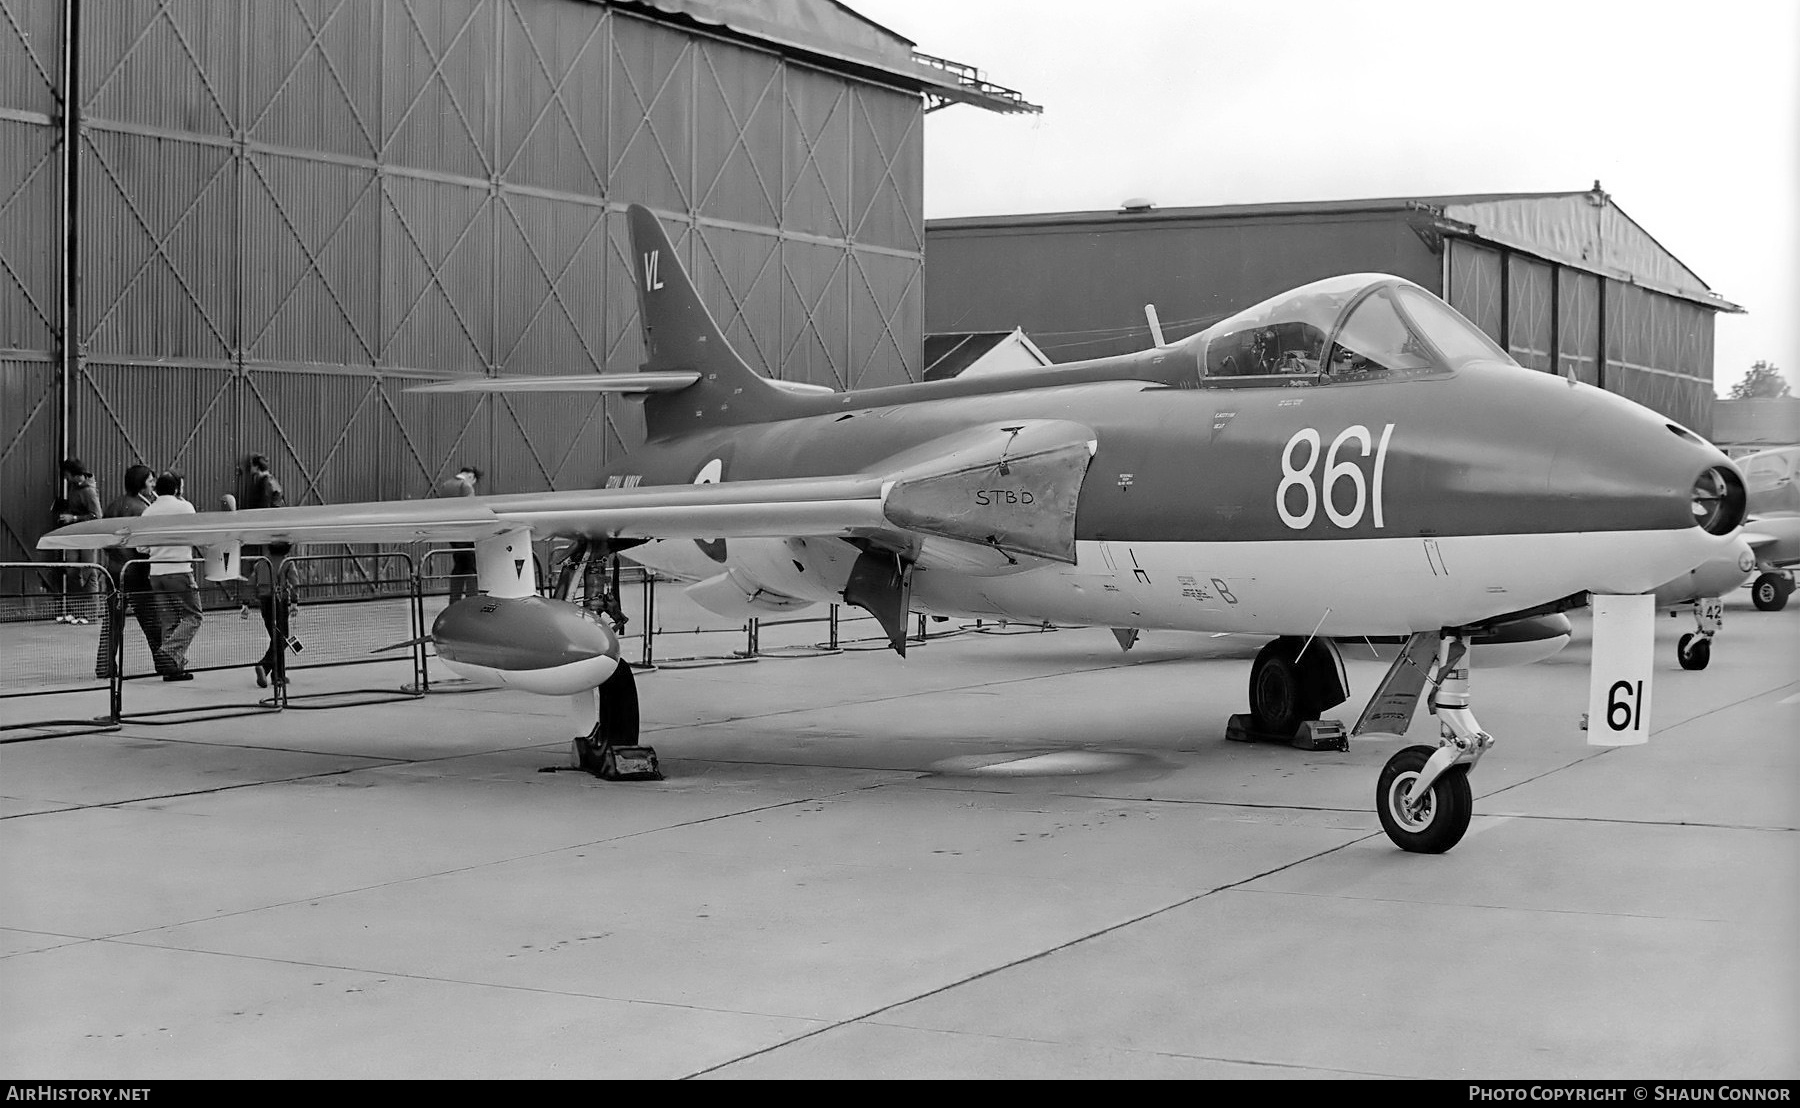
{"x": 1439, "y": 823}
{"x": 1770, "y": 592}
{"x": 1277, "y": 700}
{"x": 1693, "y": 651}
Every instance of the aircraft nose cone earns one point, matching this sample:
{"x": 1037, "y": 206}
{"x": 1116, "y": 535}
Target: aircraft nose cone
{"x": 1626, "y": 469}
{"x": 1675, "y": 499}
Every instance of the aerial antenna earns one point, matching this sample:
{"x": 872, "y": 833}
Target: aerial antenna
{"x": 1156, "y": 334}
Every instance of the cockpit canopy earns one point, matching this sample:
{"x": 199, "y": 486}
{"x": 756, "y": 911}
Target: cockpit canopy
{"x": 1358, "y": 327}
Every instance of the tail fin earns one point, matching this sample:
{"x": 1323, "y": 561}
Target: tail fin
{"x": 680, "y": 334}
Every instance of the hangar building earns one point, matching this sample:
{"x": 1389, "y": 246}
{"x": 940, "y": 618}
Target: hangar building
{"x": 233, "y": 228}
{"x": 1565, "y": 281}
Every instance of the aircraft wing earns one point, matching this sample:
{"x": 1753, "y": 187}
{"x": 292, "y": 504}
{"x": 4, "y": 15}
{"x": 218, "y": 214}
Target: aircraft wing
{"x": 1010, "y": 488}
{"x": 810, "y": 506}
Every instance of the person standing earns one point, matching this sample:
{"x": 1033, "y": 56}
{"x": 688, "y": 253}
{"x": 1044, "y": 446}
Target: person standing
{"x": 266, "y": 492}
{"x": 133, "y": 575}
{"x": 80, "y": 505}
{"x": 462, "y": 563}
{"x": 175, "y": 595}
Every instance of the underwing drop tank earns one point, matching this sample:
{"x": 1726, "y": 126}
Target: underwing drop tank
{"x": 527, "y": 642}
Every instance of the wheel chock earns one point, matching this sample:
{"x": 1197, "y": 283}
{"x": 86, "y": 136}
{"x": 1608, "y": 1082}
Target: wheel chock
{"x": 1321, "y": 734}
{"x": 1314, "y": 734}
{"x": 629, "y": 763}
{"x": 1241, "y": 728}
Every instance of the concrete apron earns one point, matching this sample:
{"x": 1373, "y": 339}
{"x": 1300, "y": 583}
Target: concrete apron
{"x": 1020, "y": 855}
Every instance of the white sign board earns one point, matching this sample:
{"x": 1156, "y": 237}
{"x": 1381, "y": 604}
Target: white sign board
{"x": 1619, "y": 685}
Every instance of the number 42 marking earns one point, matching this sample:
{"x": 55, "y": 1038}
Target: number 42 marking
{"x": 1367, "y": 492}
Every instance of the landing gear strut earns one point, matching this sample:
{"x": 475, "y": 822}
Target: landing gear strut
{"x": 610, "y": 749}
{"x": 1770, "y": 591}
{"x": 1423, "y": 795}
{"x": 1694, "y": 650}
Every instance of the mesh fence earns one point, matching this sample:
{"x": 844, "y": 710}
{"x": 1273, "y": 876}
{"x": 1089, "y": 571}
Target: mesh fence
{"x": 52, "y": 615}
{"x": 331, "y": 623}
{"x": 231, "y": 631}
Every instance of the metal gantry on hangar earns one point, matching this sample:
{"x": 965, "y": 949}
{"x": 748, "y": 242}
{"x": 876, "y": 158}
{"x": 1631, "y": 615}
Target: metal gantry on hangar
{"x": 1566, "y": 281}
{"x": 245, "y": 228}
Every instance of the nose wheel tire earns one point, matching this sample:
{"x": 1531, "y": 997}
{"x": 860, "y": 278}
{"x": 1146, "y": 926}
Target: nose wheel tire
{"x": 1438, "y": 823}
{"x": 1693, "y": 651}
{"x": 1770, "y": 592}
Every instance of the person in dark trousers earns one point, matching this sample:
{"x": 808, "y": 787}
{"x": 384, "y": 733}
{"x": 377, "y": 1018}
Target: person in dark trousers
{"x": 132, "y": 573}
{"x": 266, "y": 492}
{"x": 462, "y": 563}
{"x": 172, "y": 587}
{"x": 80, "y": 505}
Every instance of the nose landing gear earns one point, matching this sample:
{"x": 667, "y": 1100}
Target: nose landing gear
{"x": 1423, "y": 796}
{"x": 1694, "y": 650}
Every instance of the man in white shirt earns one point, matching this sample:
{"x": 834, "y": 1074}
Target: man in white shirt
{"x": 174, "y": 595}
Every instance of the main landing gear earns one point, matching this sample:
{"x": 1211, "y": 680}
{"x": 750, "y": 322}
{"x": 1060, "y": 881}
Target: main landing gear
{"x": 611, "y": 749}
{"x": 1770, "y": 591}
{"x": 1694, "y": 651}
{"x": 1291, "y": 682}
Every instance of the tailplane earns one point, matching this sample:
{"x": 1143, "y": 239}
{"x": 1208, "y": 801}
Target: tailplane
{"x": 680, "y": 335}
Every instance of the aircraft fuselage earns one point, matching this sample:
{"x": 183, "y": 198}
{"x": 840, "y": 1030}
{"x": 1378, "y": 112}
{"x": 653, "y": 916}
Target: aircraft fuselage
{"x": 1371, "y": 508}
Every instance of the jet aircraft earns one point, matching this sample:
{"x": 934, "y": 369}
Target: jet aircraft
{"x": 1349, "y": 459}
{"x": 1773, "y": 486}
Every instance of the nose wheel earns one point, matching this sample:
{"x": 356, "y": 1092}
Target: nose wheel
{"x": 1422, "y": 795}
{"x": 1694, "y": 651}
{"x": 1427, "y": 821}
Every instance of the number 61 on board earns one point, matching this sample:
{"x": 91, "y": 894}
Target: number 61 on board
{"x": 1619, "y": 684}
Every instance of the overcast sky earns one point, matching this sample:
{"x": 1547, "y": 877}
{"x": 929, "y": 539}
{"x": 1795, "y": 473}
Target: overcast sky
{"x": 1687, "y": 112}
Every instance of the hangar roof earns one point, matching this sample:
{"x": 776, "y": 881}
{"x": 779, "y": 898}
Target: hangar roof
{"x": 838, "y": 37}
{"x": 1582, "y": 230}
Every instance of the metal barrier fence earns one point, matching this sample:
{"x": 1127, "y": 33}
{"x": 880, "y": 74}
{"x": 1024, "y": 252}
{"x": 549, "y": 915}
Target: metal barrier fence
{"x": 79, "y": 632}
{"x": 49, "y": 648}
{"x": 326, "y": 622}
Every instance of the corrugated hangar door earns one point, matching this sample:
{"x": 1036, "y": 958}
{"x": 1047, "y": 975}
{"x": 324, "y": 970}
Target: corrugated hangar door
{"x": 288, "y": 212}
{"x": 1657, "y": 348}
{"x": 1529, "y": 296}
{"x": 1476, "y": 280}
{"x": 1578, "y": 325}
{"x": 31, "y": 269}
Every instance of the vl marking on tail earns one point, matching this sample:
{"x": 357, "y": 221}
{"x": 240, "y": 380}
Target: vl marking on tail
{"x": 681, "y": 336}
